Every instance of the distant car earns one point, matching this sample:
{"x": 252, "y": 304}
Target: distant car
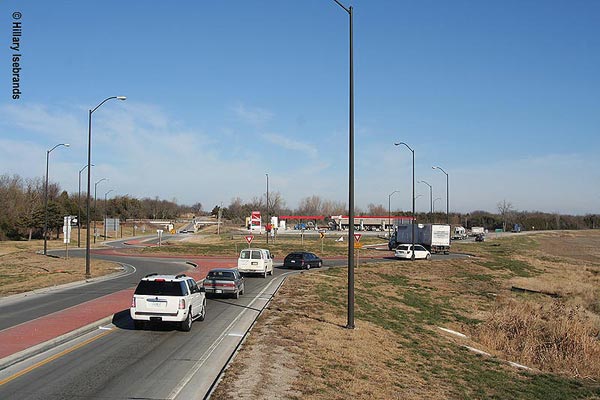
{"x": 183, "y": 231}
{"x": 480, "y": 238}
{"x": 168, "y": 298}
{"x": 302, "y": 259}
{"x": 224, "y": 281}
{"x": 405, "y": 251}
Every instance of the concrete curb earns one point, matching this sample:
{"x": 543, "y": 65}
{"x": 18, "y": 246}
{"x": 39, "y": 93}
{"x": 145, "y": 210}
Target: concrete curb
{"x": 127, "y": 270}
{"x": 49, "y": 344}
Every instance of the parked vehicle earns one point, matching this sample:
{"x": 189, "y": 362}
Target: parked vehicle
{"x": 405, "y": 251}
{"x": 255, "y": 261}
{"x": 480, "y": 237}
{"x": 303, "y": 260}
{"x": 434, "y": 237}
{"x": 459, "y": 233}
{"x": 516, "y": 228}
{"x": 224, "y": 281}
{"x": 168, "y": 298}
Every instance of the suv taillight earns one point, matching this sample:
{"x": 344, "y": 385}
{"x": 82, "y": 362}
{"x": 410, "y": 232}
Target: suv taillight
{"x": 133, "y": 302}
{"x": 182, "y": 304}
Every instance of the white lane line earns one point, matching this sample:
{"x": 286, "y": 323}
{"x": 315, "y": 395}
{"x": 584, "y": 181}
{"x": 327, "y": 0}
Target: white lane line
{"x": 175, "y": 392}
{"x": 236, "y": 334}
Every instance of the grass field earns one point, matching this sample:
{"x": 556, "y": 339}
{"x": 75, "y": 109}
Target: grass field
{"x": 299, "y": 348}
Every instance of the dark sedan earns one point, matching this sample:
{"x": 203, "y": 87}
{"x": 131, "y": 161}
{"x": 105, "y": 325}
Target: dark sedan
{"x": 303, "y": 260}
{"x": 224, "y": 281}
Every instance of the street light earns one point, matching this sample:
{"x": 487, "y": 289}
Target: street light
{"x": 105, "y": 213}
{"x": 447, "y": 194}
{"x": 79, "y": 208}
{"x": 412, "y": 257}
{"x": 89, "y": 179}
{"x": 390, "y": 211}
{"x": 430, "y": 199}
{"x": 95, "y": 216}
{"x": 350, "y": 324}
{"x": 46, "y": 195}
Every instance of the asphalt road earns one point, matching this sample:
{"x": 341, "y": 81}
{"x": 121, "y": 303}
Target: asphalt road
{"x": 160, "y": 362}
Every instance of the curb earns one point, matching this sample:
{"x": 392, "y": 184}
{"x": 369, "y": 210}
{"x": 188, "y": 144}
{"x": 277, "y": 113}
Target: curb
{"x": 49, "y": 344}
{"x": 127, "y": 270}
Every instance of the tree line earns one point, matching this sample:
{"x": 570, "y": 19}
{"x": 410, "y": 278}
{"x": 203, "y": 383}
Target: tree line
{"x": 22, "y": 209}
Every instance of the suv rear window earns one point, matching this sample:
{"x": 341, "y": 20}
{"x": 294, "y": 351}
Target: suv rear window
{"x": 163, "y": 288}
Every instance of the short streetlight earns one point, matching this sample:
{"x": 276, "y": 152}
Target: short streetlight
{"x": 413, "y": 198}
{"x": 79, "y": 208}
{"x": 350, "y": 323}
{"x": 447, "y": 194}
{"x": 390, "y": 211}
{"x": 105, "y": 212}
{"x": 95, "y": 199}
{"x": 89, "y": 180}
{"x": 46, "y": 195}
{"x": 430, "y": 198}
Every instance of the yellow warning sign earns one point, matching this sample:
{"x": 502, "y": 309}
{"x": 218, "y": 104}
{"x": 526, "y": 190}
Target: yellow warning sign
{"x": 357, "y": 245}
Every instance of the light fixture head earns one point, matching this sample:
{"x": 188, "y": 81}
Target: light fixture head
{"x": 121, "y": 97}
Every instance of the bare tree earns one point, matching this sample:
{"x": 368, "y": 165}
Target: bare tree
{"x": 505, "y": 208}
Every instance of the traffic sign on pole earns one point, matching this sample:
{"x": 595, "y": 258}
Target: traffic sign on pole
{"x": 249, "y": 238}
{"x": 357, "y": 237}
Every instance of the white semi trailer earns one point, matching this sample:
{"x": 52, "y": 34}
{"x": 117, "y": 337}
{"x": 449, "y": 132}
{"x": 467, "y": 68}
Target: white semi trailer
{"x": 434, "y": 237}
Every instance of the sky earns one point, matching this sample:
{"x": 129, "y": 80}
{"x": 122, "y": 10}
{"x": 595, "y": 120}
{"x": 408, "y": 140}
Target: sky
{"x": 503, "y": 96}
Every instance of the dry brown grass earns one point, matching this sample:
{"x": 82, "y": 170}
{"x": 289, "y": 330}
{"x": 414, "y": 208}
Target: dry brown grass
{"x": 551, "y": 337}
{"x": 397, "y": 351}
{"x": 22, "y": 269}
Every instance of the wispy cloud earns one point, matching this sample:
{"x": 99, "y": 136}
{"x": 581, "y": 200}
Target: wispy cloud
{"x": 290, "y": 144}
{"x": 253, "y": 115}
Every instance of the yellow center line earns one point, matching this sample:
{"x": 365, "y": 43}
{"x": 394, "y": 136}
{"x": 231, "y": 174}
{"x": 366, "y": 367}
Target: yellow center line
{"x": 54, "y": 357}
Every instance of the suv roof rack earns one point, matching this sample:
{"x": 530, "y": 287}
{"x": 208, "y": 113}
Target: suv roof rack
{"x": 152, "y": 274}
{"x": 180, "y": 276}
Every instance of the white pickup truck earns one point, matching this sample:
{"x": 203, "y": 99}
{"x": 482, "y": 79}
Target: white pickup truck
{"x": 255, "y": 261}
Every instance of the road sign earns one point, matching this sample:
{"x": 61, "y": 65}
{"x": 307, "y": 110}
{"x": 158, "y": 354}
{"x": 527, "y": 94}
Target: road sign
{"x": 357, "y": 237}
{"x": 358, "y": 245}
{"x": 249, "y": 238}
{"x": 322, "y": 234}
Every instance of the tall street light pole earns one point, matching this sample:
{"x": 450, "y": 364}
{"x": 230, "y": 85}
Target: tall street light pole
{"x": 79, "y": 208}
{"x": 95, "y": 199}
{"x": 447, "y": 195}
{"x": 390, "y": 211}
{"x": 412, "y": 257}
{"x": 89, "y": 182}
{"x": 105, "y": 212}
{"x": 46, "y": 195}
{"x": 350, "y": 324}
{"x": 268, "y": 207}
{"x": 430, "y": 199}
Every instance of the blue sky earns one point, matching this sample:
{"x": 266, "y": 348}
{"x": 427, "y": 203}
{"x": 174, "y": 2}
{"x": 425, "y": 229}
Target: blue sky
{"x": 505, "y": 96}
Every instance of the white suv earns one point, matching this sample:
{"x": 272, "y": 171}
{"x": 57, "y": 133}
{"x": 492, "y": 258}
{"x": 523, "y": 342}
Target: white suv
{"x": 168, "y": 298}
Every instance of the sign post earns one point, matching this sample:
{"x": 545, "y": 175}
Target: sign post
{"x": 159, "y": 232}
{"x": 322, "y": 234}
{"x": 357, "y": 246}
{"x": 249, "y": 239}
